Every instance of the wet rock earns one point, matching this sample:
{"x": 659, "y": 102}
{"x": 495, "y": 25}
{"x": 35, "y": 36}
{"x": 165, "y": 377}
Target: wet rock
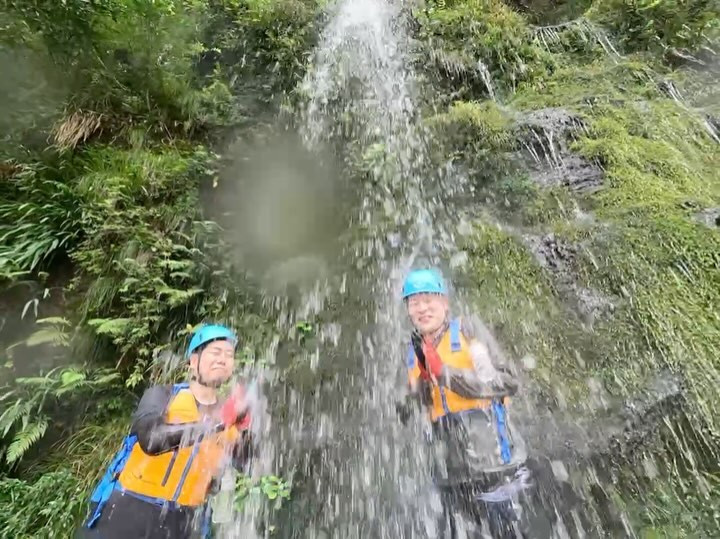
{"x": 670, "y": 89}
{"x": 709, "y": 217}
{"x": 620, "y": 427}
{"x": 713, "y": 121}
{"x": 663, "y": 392}
{"x": 546, "y": 135}
{"x": 640, "y": 419}
{"x": 560, "y": 259}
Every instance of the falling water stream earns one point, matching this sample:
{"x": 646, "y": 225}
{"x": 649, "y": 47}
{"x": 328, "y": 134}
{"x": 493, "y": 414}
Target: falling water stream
{"x": 332, "y": 427}
{"x": 356, "y": 471}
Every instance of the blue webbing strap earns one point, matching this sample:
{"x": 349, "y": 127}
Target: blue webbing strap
{"x": 500, "y": 421}
{"x": 455, "y": 344}
{"x": 410, "y": 356}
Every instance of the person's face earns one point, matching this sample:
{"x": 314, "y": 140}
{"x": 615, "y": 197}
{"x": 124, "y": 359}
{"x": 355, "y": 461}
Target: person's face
{"x": 217, "y": 363}
{"x": 427, "y": 312}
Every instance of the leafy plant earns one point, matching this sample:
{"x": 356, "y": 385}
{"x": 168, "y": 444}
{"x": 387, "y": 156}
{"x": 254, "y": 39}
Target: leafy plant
{"x": 27, "y": 405}
{"x": 661, "y": 24}
{"x": 45, "y": 508}
{"x": 272, "y": 487}
{"x": 52, "y": 330}
{"x": 305, "y": 328}
{"x": 39, "y": 217}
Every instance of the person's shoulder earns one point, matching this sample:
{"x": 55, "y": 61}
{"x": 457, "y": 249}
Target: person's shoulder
{"x": 158, "y": 392}
{"x": 469, "y": 326}
{"x": 474, "y": 328}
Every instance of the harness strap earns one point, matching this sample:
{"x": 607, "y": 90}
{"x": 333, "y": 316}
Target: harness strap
{"x": 189, "y": 462}
{"x": 501, "y": 424}
{"x": 410, "y": 356}
{"x": 455, "y": 344}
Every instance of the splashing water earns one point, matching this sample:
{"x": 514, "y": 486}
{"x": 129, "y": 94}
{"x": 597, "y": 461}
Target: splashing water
{"x": 486, "y": 78}
{"x": 356, "y": 470}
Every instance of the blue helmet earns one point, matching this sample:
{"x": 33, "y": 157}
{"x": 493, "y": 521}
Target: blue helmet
{"x": 428, "y": 281}
{"x": 209, "y": 333}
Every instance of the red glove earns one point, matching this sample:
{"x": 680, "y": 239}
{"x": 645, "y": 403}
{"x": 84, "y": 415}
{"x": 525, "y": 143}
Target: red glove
{"x": 234, "y": 411}
{"x": 432, "y": 361}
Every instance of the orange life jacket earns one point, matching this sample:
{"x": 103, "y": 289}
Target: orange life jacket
{"x": 455, "y": 352}
{"x": 183, "y": 475}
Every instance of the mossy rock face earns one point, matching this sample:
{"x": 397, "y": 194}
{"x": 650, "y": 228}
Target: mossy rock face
{"x": 472, "y": 44}
{"x": 640, "y": 247}
{"x": 691, "y": 26}
{"x": 546, "y": 137}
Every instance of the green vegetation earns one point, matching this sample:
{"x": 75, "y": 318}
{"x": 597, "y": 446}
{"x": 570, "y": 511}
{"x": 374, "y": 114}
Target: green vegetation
{"x": 272, "y": 487}
{"x": 460, "y": 36}
{"x": 111, "y": 129}
{"x": 662, "y": 24}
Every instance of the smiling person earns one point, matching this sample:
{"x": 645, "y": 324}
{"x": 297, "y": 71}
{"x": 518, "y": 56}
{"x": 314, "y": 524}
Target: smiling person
{"x": 458, "y": 373}
{"x": 181, "y": 437}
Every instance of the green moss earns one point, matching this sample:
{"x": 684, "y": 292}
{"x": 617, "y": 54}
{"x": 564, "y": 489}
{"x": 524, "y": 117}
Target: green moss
{"x": 475, "y": 125}
{"x": 548, "y": 206}
{"x": 601, "y": 80}
{"x": 465, "y": 32}
{"x": 658, "y": 157}
{"x": 516, "y": 296}
{"x": 643, "y": 24}
{"x": 678, "y": 509}
{"x": 661, "y": 166}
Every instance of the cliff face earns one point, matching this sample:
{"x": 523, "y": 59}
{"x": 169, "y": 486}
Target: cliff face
{"x": 587, "y": 133}
{"x": 590, "y": 132}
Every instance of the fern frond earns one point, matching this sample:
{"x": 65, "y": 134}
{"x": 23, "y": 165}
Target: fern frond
{"x": 19, "y": 412}
{"x": 176, "y": 297}
{"x": 105, "y": 379}
{"x": 10, "y": 416}
{"x": 48, "y": 335}
{"x": 35, "y": 381}
{"x": 25, "y": 439}
{"x": 10, "y": 393}
{"x": 71, "y": 387}
{"x": 112, "y": 327}
{"x": 54, "y": 320}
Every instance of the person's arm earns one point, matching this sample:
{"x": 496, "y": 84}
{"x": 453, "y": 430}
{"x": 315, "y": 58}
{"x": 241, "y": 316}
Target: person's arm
{"x": 490, "y": 376}
{"x": 416, "y": 394}
{"x": 154, "y": 435}
{"x": 243, "y": 451}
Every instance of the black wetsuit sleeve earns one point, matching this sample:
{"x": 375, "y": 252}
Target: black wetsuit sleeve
{"x": 154, "y": 435}
{"x": 243, "y": 451}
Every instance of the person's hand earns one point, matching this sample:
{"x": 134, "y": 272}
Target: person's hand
{"x": 235, "y": 409}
